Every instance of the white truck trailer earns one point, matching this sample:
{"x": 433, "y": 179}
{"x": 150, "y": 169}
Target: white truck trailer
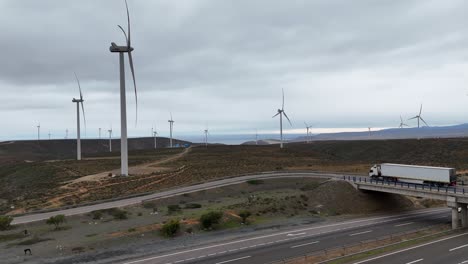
{"x": 439, "y": 176}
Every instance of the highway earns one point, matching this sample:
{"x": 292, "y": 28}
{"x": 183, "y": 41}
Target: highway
{"x": 298, "y": 241}
{"x": 164, "y": 194}
{"x": 453, "y": 250}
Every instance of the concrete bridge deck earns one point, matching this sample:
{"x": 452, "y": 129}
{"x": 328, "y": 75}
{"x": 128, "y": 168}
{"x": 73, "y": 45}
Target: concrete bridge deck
{"x": 455, "y": 197}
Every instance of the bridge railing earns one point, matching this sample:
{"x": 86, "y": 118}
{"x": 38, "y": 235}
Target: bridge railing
{"x": 407, "y": 185}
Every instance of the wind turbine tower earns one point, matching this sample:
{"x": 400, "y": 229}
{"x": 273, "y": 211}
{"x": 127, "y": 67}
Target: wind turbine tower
{"x": 206, "y": 137}
{"x": 256, "y": 137}
{"x": 99, "y": 133}
{"x": 308, "y": 134}
{"x": 155, "y": 133}
{"x": 49, "y": 135}
{"x": 66, "y": 133}
{"x": 110, "y": 139}
{"x": 171, "y": 125}
{"x": 39, "y": 131}
{"x": 78, "y": 135}
{"x": 281, "y": 112}
{"x": 123, "y": 103}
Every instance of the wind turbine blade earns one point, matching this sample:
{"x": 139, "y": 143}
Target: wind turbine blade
{"x": 128, "y": 24}
{"x": 282, "y": 107}
{"x": 130, "y": 60}
{"x": 79, "y": 86}
{"x": 420, "y": 110}
{"x": 306, "y": 125}
{"x": 423, "y": 121}
{"x": 84, "y": 117}
{"x": 413, "y": 118}
{"x": 275, "y": 115}
{"x": 171, "y": 115}
{"x": 287, "y": 118}
{"x": 125, "y": 34}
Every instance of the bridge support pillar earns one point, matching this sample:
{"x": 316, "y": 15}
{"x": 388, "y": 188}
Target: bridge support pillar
{"x": 464, "y": 215}
{"x": 455, "y": 218}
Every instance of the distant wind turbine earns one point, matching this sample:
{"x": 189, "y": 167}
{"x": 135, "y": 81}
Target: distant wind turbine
{"x": 78, "y": 135}
{"x": 206, "y": 137}
{"x": 155, "y": 133}
{"x": 49, "y": 135}
{"x": 308, "y": 134}
{"x": 99, "y": 133}
{"x": 110, "y": 139}
{"x": 370, "y": 131}
{"x": 281, "y": 112}
{"x": 66, "y": 133}
{"x": 123, "y": 103}
{"x": 419, "y": 117}
{"x": 171, "y": 125}
{"x": 402, "y": 124}
{"x": 39, "y": 131}
{"x": 256, "y": 137}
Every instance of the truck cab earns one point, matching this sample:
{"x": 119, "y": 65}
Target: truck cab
{"x": 375, "y": 171}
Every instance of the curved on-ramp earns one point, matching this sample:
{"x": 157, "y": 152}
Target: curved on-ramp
{"x": 168, "y": 193}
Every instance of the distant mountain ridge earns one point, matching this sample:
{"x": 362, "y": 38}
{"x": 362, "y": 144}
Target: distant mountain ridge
{"x": 395, "y": 133}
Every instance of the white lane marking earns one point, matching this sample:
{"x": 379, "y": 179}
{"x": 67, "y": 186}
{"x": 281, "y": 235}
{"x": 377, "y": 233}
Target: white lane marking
{"x": 232, "y": 260}
{"x": 411, "y": 248}
{"x": 360, "y": 233}
{"x": 458, "y": 247}
{"x": 404, "y": 224}
{"x": 384, "y": 220}
{"x": 415, "y": 261}
{"x": 297, "y": 234}
{"x": 306, "y": 244}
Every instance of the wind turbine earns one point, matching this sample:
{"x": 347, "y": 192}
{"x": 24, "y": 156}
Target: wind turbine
{"x": 123, "y": 103}
{"x": 49, "y": 135}
{"x": 419, "y": 117}
{"x": 39, "y": 131}
{"x": 308, "y": 134}
{"x": 281, "y": 112}
{"x": 402, "y": 124}
{"x": 66, "y": 133}
{"x": 206, "y": 137}
{"x": 78, "y": 136}
{"x": 110, "y": 139}
{"x": 99, "y": 133}
{"x": 370, "y": 134}
{"x": 155, "y": 133}
{"x": 171, "y": 125}
{"x": 256, "y": 136}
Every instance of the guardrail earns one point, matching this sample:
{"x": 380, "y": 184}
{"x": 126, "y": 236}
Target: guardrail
{"x": 407, "y": 185}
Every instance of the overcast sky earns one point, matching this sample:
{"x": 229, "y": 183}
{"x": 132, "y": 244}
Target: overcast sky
{"x": 222, "y": 64}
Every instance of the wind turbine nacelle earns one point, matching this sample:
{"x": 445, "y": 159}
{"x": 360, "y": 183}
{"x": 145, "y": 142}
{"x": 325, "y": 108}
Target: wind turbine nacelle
{"x": 115, "y": 48}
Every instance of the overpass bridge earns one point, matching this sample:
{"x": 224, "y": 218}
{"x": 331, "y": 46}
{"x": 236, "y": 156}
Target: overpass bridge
{"x": 455, "y": 197}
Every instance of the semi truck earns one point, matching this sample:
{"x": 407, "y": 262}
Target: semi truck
{"x": 436, "y": 176}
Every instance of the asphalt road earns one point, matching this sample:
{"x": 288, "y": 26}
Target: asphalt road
{"x": 299, "y": 241}
{"x": 449, "y": 250}
{"x": 178, "y": 191}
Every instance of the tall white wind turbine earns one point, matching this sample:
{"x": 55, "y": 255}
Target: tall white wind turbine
{"x": 171, "y": 125}
{"x": 308, "y": 134}
{"x": 123, "y": 103}
{"x": 281, "y": 112}
{"x": 419, "y": 117}
{"x": 78, "y": 132}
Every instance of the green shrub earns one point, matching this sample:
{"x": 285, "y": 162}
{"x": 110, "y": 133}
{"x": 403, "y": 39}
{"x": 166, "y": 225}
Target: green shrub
{"x": 171, "y": 228}
{"x": 192, "y": 206}
{"x": 255, "y": 182}
{"x": 96, "y": 214}
{"x": 5, "y": 222}
{"x": 244, "y": 215}
{"x": 173, "y": 208}
{"x": 56, "y": 220}
{"x": 210, "y": 219}
{"x": 131, "y": 229}
{"x": 119, "y": 214}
